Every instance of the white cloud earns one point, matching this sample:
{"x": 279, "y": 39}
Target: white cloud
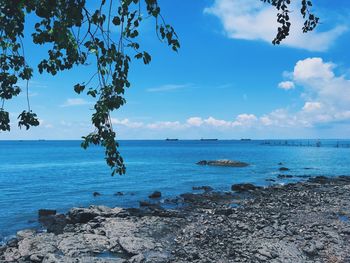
{"x": 127, "y": 123}
{"x": 169, "y": 87}
{"x": 244, "y": 120}
{"x": 217, "y": 123}
{"x": 195, "y": 121}
{"x": 312, "y": 68}
{"x": 312, "y": 106}
{"x": 255, "y": 20}
{"x": 74, "y": 102}
{"x": 286, "y": 85}
{"x": 165, "y": 125}
{"x": 326, "y": 96}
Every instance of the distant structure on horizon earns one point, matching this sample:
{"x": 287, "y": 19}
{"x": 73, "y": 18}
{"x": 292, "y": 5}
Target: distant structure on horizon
{"x": 202, "y": 139}
{"x": 246, "y": 139}
{"x": 169, "y": 139}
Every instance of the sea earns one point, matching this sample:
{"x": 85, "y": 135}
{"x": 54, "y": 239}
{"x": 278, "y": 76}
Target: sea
{"x": 60, "y": 174}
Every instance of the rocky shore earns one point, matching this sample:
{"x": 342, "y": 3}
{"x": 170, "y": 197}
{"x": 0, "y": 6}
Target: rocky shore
{"x": 301, "y": 222}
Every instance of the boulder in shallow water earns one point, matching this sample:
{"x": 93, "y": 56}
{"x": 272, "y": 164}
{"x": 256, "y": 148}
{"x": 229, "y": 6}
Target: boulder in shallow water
{"x": 227, "y": 163}
{"x": 284, "y": 176}
{"x": 284, "y": 169}
{"x": 155, "y": 194}
{"x": 205, "y": 188}
{"x": 95, "y": 194}
{"x": 244, "y": 187}
{"x": 46, "y": 212}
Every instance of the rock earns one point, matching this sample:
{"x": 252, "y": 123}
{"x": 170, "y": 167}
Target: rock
{"x": 228, "y": 163}
{"x": 320, "y": 179}
{"x": 36, "y": 258}
{"x": 204, "y": 188}
{"x": 244, "y": 187}
{"x": 54, "y": 224}
{"x": 25, "y": 233}
{"x": 270, "y": 180}
{"x": 191, "y": 198}
{"x": 280, "y": 163}
{"x": 119, "y": 194}
{"x": 284, "y": 176}
{"x": 46, "y": 212}
{"x": 84, "y": 215}
{"x": 135, "y": 245}
{"x": 155, "y": 194}
{"x": 145, "y": 204}
{"x": 264, "y": 252}
{"x": 95, "y": 194}
{"x": 13, "y": 242}
{"x": 137, "y": 259}
{"x": 283, "y": 169}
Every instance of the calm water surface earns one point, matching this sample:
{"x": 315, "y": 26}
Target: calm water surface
{"x": 60, "y": 175}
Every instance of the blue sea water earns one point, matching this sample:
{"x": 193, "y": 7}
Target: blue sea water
{"x": 60, "y": 175}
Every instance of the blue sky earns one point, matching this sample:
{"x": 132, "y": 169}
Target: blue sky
{"x": 227, "y": 81}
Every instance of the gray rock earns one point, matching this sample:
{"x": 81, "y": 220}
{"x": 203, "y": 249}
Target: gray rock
{"x": 227, "y": 163}
{"x": 135, "y": 245}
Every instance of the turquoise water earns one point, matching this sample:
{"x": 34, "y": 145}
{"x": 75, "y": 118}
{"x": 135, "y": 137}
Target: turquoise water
{"x": 60, "y": 175}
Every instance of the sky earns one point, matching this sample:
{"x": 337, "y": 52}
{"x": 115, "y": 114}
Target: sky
{"x": 227, "y": 81}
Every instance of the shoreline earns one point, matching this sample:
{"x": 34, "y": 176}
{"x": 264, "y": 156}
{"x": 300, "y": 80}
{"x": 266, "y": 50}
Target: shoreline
{"x": 307, "y": 221}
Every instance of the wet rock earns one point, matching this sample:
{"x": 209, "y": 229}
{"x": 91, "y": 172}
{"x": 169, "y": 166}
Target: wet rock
{"x": 244, "y": 187}
{"x": 13, "y": 242}
{"x": 270, "y": 180}
{"x": 84, "y": 215}
{"x": 284, "y": 169}
{"x": 320, "y": 180}
{"x": 95, "y": 194}
{"x": 46, "y": 212}
{"x": 55, "y": 223}
{"x": 155, "y": 194}
{"x": 227, "y": 163}
{"x": 204, "y": 188}
{"x": 119, "y": 194}
{"x": 284, "y": 176}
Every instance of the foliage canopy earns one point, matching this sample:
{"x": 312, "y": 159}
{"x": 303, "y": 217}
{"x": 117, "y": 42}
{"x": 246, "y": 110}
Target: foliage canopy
{"x": 108, "y": 34}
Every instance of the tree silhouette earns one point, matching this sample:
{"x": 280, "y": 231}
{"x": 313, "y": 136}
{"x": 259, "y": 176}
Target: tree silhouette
{"x": 76, "y": 34}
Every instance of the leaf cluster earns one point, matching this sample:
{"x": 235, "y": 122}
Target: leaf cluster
{"x": 283, "y": 18}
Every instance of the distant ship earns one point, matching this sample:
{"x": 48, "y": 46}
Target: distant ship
{"x": 209, "y": 139}
{"x": 169, "y": 139}
{"x": 245, "y": 139}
